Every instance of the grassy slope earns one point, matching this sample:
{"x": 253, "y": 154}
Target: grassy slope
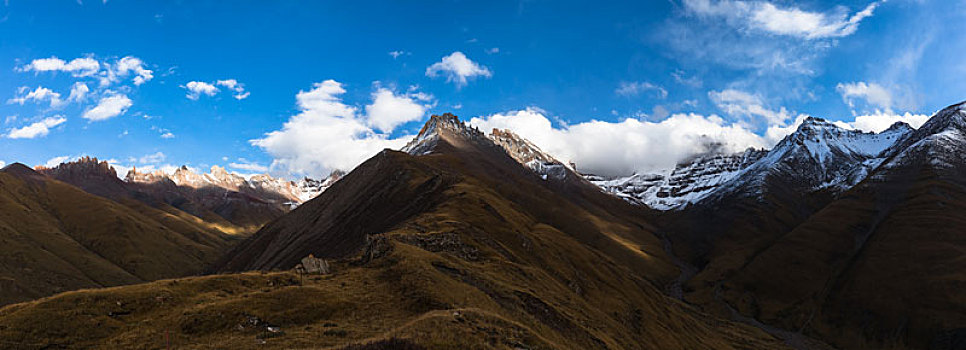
{"x": 56, "y": 237}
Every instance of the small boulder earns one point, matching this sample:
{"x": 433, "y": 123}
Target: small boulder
{"x": 314, "y": 266}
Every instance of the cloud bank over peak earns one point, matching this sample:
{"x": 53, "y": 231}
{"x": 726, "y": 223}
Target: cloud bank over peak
{"x": 628, "y": 146}
{"x": 328, "y": 134}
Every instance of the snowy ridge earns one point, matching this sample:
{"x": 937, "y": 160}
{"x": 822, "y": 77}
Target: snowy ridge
{"x": 687, "y": 183}
{"x": 941, "y": 141}
{"x": 528, "y": 154}
{"x": 818, "y": 155}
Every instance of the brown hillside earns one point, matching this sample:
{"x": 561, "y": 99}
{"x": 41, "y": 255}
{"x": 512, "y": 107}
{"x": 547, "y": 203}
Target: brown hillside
{"x": 56, "y": 237}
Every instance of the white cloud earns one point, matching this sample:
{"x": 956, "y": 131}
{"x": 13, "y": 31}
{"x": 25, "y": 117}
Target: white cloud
{"x": 457, "y": 69}
{"x": 107, "y": 72}
{"x": 873, "y": 94}
{"x": 234, "y": 85}
{"x": 38, "y": 129}
{"x": 243, "y": 164}
{"x": 78, "y": 92}
{"x": 55, "y": 161}
{"x": 325, "y": 135}
{"x": 632, "y": 145}
{"x": 130, "y": 64}
{"x": 2, "y": 164}
{"x": 108, "y": 107}
{"x": 879, "y": 121}
{"x": 167, "y": 135}
{"x": 388, "y": 110}
{"x": 198, "y": 88}
{"x": 78, "y": 67}
{"x": 789, "y": 21}
{"x": 38, "y": 95}
{"x": 157, "y": 157}
{"x": 744, "y": 105}
{"x": 636, "y": 88}
{"x": 493, "y": 51}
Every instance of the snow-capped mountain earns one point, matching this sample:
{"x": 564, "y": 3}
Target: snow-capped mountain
{"x": 308, "y": 188}
{"x": 940, "y": 143}
{"x": 689, "y": 182}
{"x": 818, "y": 155}
{"x": 262, "y": 184}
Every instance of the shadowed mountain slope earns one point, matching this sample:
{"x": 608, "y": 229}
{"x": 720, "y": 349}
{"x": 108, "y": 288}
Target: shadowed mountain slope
{"x": 794, "y": 244}
{"x": 56, "y": 237}
{"x": 241, "y": 210}
{"x": 881, "y": 266}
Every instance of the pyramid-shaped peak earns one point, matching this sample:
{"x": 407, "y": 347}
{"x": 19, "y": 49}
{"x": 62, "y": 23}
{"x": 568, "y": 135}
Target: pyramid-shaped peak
{"x": 899, "y": 126}
{"x": 953, "y": 116}
{"x": 22, "y": 171}
{"x": 445, "y": 125}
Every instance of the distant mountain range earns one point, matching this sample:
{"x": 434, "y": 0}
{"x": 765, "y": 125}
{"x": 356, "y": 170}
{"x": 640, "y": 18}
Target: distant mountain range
{"x": 834, "y": 238}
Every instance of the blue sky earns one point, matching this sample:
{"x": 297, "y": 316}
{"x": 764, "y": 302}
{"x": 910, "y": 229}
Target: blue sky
{"x": 302, "y": 88}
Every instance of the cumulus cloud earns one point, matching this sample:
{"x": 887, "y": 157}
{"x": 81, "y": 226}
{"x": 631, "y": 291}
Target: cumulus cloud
{"x": 879, "y": 121}
{"x": 129, "y": 65}
{"x": 234, "y": 85}
{"x": 457, "y": 69}
{"x": 78, "y": 67}
{"x": 198, "y": 88}
{"x": 108, "y": 107}
{"x": 38, "y": 129}
{"x": 388, "y": 110}
{"x": 873, "y": 94}
{"x": 38, "y": 95}
{"x": 778, "y": 20}
{"x": 636, "y": 88}
{"x": 107, "y": 72}
{"x": 328, "y": 134}
{"x": 78, "y": 92}
{"x": 2, "y": 164}
{"x": 747, "y": 106}
{"x": 628, "y": 146}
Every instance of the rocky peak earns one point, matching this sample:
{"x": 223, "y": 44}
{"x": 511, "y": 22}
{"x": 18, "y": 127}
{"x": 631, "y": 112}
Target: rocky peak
{"x": 941, "y": 141}
{"x": 446, "y": 126}
{"x": 84, "y": 167}
{"x": 899, "y": 127}
{"x": 520, "y": 148}
{"x": 529, "y": 155}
